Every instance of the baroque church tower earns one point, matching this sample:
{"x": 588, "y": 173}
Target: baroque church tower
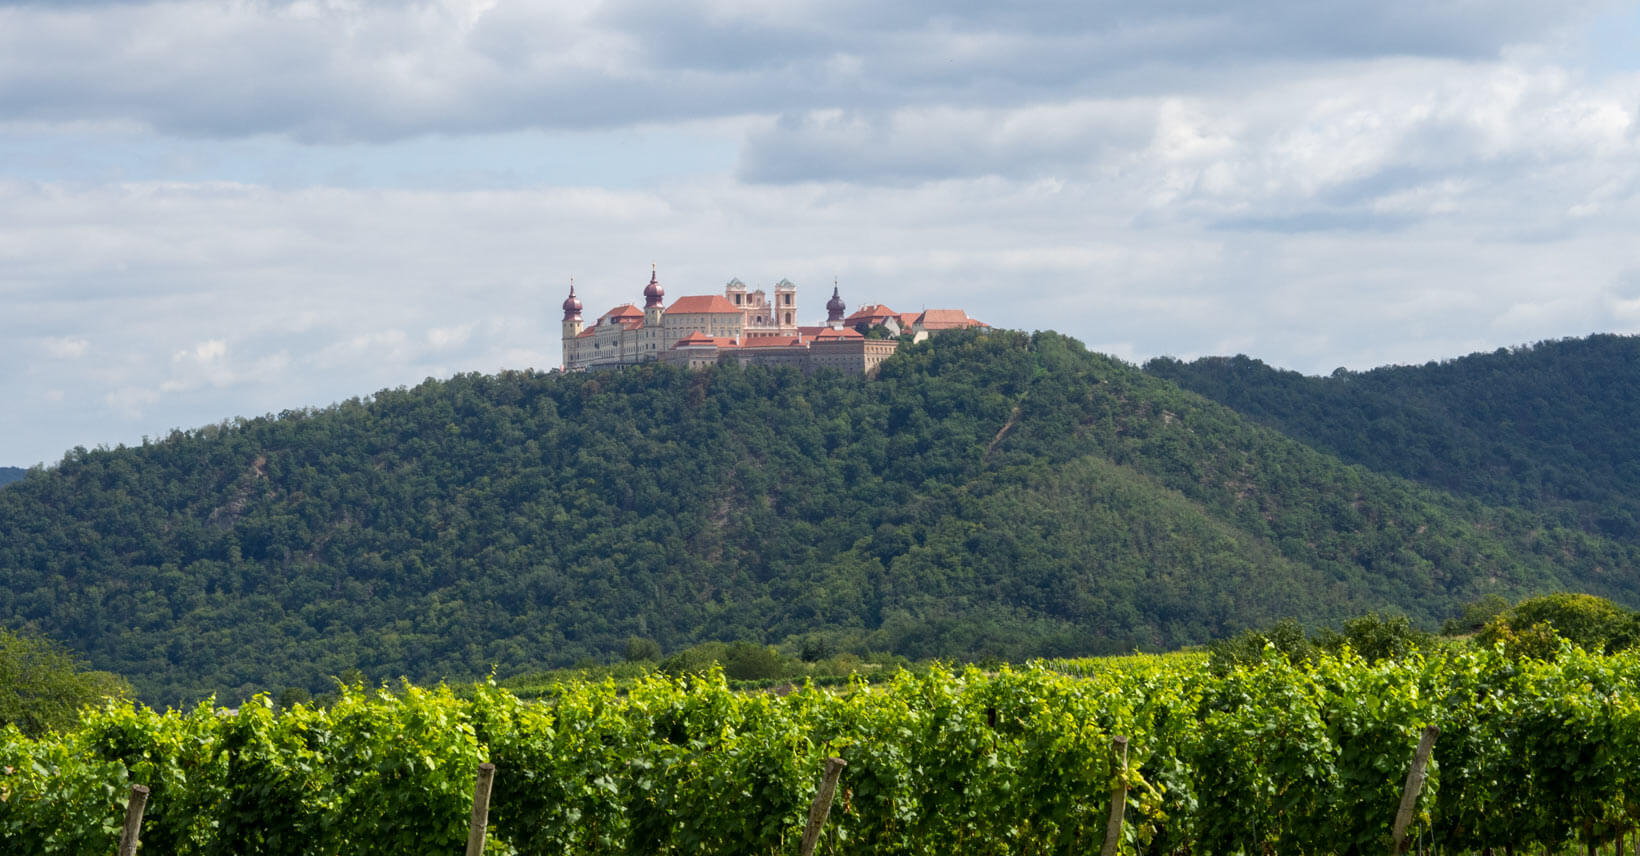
{"x": 572, "y": 322}
{"x": 653, "y": 308}
{"x": 785, "y": 305}
{"x": 835, "y": 307}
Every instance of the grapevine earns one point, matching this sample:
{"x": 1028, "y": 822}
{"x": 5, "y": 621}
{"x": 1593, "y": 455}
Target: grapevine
{"x": 1269, "y": 757}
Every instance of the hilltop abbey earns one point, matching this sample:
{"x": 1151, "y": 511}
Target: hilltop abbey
{"x": 745, "y": 327}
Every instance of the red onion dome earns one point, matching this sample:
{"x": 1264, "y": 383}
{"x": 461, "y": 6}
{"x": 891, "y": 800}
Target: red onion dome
{"x": 572, "y": 306}
{"x": 652, "y": 293}
{"x": 834, "y": 306}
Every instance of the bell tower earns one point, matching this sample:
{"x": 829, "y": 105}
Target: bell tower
{"x": 572, "y": 325}
{"x": 835, "y": 309}
{"x": 785, "y": 306}
{"x": 654, "y": 308}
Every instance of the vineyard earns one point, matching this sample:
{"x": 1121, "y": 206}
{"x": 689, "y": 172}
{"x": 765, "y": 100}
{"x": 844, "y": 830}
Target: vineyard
{"x": 1271, "y": 758}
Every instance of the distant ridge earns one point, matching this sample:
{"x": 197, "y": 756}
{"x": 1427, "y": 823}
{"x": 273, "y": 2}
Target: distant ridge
{"x": 1553, "y": 428}
{"x": 988, "y": 494}
{"x": 11, "y": 474}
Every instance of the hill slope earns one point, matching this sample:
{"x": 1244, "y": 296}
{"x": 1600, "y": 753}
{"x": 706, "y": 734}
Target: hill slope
{"x": 995, "y": 494}
{"x": 1550, "y": 428}
{"x": 11, "y": 474}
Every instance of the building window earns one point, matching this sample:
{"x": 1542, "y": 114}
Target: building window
{"x": 788, "y": 300}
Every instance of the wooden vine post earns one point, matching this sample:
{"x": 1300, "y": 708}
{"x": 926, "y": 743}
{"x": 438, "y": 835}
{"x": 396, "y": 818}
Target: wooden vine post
{"x": 481, "y": 810}
{"x": 1118, "y": 798}
{"x": 821, "y": 807}
{"x": 1414, "y": 786}
{"x": 133, "y": 820}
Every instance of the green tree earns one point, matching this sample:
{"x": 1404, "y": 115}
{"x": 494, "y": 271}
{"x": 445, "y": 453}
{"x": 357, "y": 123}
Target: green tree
{"x": 640, "y": 649}
{"x": 1474, "y": 615}
{"x": 748, "y": 661}
{"x": 1247, "y": 648}
{"x": 1377, "y": 637}
{"x": 43, "y": 686}
{"x": 1592, "y": 622}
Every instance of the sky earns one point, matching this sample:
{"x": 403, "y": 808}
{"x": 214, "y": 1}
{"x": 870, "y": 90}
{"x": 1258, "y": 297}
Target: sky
{"x": 221, "y": 209}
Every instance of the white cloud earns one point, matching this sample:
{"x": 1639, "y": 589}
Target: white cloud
{"x": 205, "y": 353}
{"x": 442, "y": 338}
{"x": 129, "y": 401}
{"x": 66, "y": 347}
{"x": 382, "y": 347}
{"x": 204, "y": 364}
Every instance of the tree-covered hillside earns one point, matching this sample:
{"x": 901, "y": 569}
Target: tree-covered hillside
{"x": 1552, "y": 427}
{"x": 11, "y": 474}
{"x": 998, "y": 494}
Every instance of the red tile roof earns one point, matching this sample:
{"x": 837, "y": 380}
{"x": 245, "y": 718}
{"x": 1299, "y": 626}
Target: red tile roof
{"x": 715, "y": 304}
{"x": 771, "y": 342}
{"x": 946, "y": 319}
{"x": 625, "y": 310}
{"x": 873, "y": 312}
{"x": 697, "y": 339}
{"x": 838, "y": 335}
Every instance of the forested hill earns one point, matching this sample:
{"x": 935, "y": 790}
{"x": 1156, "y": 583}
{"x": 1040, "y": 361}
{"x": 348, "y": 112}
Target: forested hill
{"x": 1001, "y": 494}
{"x": 1554, "y": 428}
{"x": 11, "y": 474}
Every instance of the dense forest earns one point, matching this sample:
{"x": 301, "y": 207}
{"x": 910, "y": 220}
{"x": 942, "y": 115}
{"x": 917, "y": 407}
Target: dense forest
{"x": 10, "y": 474}
{"x": 1550, "y": 428}
{"x": 997, "y": 494}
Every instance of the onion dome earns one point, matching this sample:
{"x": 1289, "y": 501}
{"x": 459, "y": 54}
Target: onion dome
{"x": 652, "y": 293}
{"x": 834, "y": 306}
{"x": 572, "y": 305}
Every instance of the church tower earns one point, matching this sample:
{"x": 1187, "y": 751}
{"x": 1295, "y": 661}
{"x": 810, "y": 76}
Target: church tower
{"x": 835, "y": 309}
{"x": 572, "y": 324}
{"x": 785, "y": 306}
{"x": 735, "y": 291}
{"x": 650, "y": 345}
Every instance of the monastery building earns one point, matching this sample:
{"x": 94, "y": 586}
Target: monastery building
{"x": 745, "y": 327}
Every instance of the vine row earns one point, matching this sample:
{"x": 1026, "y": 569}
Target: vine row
{"x": 1270, "y": 757}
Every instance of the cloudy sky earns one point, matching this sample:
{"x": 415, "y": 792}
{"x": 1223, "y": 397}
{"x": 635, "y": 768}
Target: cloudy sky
{"x": 211, "y": 209}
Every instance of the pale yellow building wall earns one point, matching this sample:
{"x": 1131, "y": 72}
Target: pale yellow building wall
{"x": 717, "y": 325}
